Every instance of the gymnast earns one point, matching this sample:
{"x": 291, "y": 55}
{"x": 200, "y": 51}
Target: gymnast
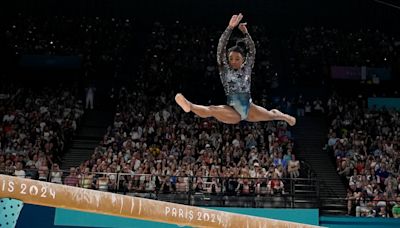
{"x": 235, "y": 75}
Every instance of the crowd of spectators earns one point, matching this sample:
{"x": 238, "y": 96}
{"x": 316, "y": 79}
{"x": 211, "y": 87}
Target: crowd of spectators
{"x": 36, "y": 126}
{"x": 299, "y": 106}
{"x": 312, "y": 50}
{"x": 100, "y": 42}
{"x": 365, "y": 145}
{"x": 160, "y": 148}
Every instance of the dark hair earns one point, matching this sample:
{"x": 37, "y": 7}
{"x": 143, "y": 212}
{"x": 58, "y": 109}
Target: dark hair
{"x": 239, "y": 47}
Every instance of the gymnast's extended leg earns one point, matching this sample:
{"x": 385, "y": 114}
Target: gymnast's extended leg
{"x": 258, "y": 113}
{"x": 223, "y": 113}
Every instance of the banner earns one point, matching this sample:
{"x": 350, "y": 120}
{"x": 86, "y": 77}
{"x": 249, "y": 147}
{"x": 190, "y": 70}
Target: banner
{"x": 380, "y": 102}
{"x": 342, "y": 72}
{"x": 357, "y": 222}
{"x": 382, "y": 73}
{"x": 84, "y": 219}
{"x": 360, "y": 73}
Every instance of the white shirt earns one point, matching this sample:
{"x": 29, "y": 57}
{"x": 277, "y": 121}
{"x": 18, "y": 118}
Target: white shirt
{"x": 56, "y": 177}
{"x": 19, "y": 173}
{"x": 236, "y": 143}
{"x": 8, "y": 118}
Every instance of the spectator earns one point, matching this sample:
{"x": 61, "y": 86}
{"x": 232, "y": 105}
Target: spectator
{"x": 3, "y": 168}
{"x": 275, "y": 185}
{"x": 102, "y": 183}
{"x": 300, "y": 106}
{"x": 166, "y": 185}
{"x": 90, "y": 90}
{"x": 150, "y": 184}
{"x": 19, "y": 172}
{"x": 86, "y": 179}
{"x": 244, "y": 187}
{"x": 56, "y": 174}
{"x": 307, "y": 108}
{"x": 396, "y": 208}
{"x": 43, "y": 171}
{"x": 72, "y": 179}
{"x": 32, "y": 172}
{"x": 294, "y": 167}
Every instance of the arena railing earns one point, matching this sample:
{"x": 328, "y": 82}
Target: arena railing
{"x": 192, "y": 189}
{"x": 221, "y": 191}
{"x": 363, "y": 207}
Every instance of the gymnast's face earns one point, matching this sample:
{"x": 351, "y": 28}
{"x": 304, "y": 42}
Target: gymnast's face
{"x": 235, "y": 60}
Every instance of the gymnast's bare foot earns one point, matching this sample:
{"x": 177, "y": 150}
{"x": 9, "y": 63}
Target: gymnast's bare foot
{"x": 291, "y": 120}
{"x": 288, "y": 118}
{"x": 181, "y": 101}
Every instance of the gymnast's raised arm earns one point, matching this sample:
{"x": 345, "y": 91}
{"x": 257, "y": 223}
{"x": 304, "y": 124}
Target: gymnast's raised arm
{"x": 223, "y": 40}
{"x": 251, "y": 53}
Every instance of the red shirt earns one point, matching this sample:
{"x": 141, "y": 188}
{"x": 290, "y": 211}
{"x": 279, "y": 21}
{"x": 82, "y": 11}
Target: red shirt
{"x": 71, "y": 181}
{"x": 359, "y": 167}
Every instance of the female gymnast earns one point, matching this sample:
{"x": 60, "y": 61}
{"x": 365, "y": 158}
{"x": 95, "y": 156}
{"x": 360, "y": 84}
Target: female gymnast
{"x": 235, "y": 74}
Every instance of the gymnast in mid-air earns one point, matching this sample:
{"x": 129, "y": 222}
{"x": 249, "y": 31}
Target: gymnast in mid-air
{"x": 235, "y": 68}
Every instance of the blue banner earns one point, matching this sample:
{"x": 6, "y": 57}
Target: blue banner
{"x": 83, "y": 219}
{"x": 380, "y": 102}
{"x": 358, "y": 222}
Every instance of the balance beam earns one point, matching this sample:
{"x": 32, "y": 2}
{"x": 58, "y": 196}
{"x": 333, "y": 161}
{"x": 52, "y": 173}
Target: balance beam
{"x": 63, "y": 196}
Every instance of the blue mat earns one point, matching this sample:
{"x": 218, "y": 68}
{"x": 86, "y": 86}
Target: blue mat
{"x": 9, "y": 212}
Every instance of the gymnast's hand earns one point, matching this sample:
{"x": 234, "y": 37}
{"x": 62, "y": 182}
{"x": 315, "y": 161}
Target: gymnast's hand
{"x": 243, "y": 28}
{"x": 235, "y": 19}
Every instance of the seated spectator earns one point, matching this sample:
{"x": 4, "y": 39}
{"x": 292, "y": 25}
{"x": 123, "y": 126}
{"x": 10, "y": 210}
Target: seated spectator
{"x": 32, "y": 172}
{"x": 353, "y": 197}
{"x": 294, "y": 167}
{"x": 232, "y": 184}
{"x": 102, "y": 183}
{"x": 150, "y": 184}
{"x": 318, "y": 107}
{"x": 382, "y": 213}
{"x": 214, "y": 186}
{"x": 19, "y": 172}
{"x": 72, "y": 179}
{"x": 275, "y": 185}
{"x": 396, "y": 208}
{"x": 86, "y": 179}
{"x": 262, "y": 187}
{"x": 182, "y": 182}
{"x": 244, "y": 187}
{"x": 56, "y": 174}
{"x": 2, "y": 168}
{"x": 364, "y": 206}
{"x": 307, "y": 109}
{"x": 43, "y": 171}
{"x": 198, "y": 186}
{"x": 166, "y": 185}
{"x": 112, "y": 177}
